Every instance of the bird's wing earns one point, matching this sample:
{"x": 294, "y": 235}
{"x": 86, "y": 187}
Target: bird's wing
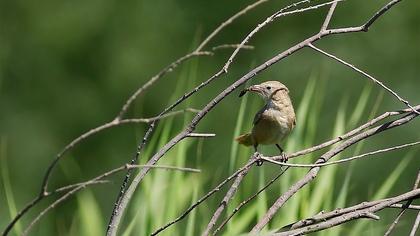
{"x": 257, "y": 116}
{"x": 291, "y": 122}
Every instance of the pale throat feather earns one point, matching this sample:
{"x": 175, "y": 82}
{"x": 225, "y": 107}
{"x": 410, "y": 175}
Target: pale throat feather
{"x": 285, "y": 113}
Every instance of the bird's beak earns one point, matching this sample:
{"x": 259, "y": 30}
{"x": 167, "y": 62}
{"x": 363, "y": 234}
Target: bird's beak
{"x": 242, "y": 93}
{"x": 255, "y": 88}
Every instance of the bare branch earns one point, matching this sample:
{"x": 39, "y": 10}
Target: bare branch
{"x": 228, "y": 196}
{"x": 405, "y": 206}
{"x": 382, "y": 11}
{"x": 346, "y": 135}
{"x": 77, "y": 187}
{"x": 201, "y": 135}
{"x": 270, "y": 19}
{"x": 352, "y": 214}
{"x": 72, "y": 144}
{"x": 411, "y": 207}
{"x": 249, "y": 200}
{"x": 155, "y": 78}
{"x": 366, "y": 75}
{"x": 341, "y": 211}
{"x": 184, "y": 169}
{"x": 114, "y": 123}
{"x": 71, "y": 186}
{"x": 202, "y": 199}
{"x": 228, "y": 22}
{"x": 328, "y": 18}
{"x": 416, "y": 225}
{"x": 339, "y": 161}
{"x": 224, "y": 46}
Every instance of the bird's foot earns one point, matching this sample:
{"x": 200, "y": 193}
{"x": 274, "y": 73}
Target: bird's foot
{"x": 283, "y": 157}
{"x": 258, "y": 161}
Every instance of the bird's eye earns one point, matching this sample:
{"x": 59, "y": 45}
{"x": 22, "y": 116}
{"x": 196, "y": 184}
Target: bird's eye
{"x": 268, "y": 87}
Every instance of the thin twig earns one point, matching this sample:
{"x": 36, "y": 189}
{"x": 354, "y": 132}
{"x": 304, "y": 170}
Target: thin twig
{"x": 361, "y": 213}
{"x": 77, "y": 187}
{"x": 328, "y": 215}
{"x": 202, "y": 199}
{"x": 184, "y": 169}
{"x": 116, "y": 215}
{"x": 411, "y": 207}
{"x": 114, "y": 123}
{"x": 71, "y": 186}
{"x": 268, "y": 159}
{"x": 346, "y": 135}
{"x": 416, "y": 225}
{"x": 201, "y": 135}
{"x": 381, "y": 84}
{"x": 228, "y": 22}
{"x": 328, "y": 18}
{"x": 229, "y": 195}
{"x": 155, "y": 78}
{"x": 384, "y": 9}
{"x": 224, "y": 46}
{"x": 341, "y": 211}
{"x": 249, "y": 200}
{"x": 405, "y": 206}
{"x": 270, "y": 19}
{"x": 72, "y": 144}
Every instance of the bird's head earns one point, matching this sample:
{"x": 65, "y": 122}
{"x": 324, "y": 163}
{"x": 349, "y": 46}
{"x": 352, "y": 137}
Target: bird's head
{"x": 268, "y": 90}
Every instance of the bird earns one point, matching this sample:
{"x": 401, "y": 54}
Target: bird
{"x": 274, "y": 121}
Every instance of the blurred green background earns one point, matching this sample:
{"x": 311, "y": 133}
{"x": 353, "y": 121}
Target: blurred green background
{"x": 68, "y": 66}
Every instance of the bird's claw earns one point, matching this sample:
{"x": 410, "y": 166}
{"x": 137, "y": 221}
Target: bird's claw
{"x": 258, "y": 160}
{"x": 283, "y": 157}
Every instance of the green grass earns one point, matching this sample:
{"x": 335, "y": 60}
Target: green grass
{"x": 7, "y": 185}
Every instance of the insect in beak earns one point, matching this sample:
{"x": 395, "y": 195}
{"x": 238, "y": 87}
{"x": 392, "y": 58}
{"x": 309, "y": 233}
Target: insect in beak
{"x": 242, "y": 93}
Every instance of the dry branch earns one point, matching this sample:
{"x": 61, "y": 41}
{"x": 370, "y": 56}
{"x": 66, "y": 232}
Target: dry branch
{"x": 351, "y": 214}
{"x": 411, "y": 207}
{"x": 116, "y": 122}
{"x": 249, "y": 200}
{"x": 344, "y": 136}
{"x": 376, "y": 81}
{"x": 74, "y": 188}
{"x": 202, "y": 199}
{"x": 416, "y": 225}
{"x": 405, "y": 206}
{"x": 268, "y": 159}
{"x": 229, "y": 195}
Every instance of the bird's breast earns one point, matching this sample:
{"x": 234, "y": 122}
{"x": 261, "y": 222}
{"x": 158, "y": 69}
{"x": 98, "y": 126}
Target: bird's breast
{"x": 272, "y": 127}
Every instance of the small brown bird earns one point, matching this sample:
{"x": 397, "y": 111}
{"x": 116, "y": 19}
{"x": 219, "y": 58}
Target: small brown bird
{"x": 275, "y": 120}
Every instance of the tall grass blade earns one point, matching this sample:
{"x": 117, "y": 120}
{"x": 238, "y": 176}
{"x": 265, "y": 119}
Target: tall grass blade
{"x": 386, "y": 187}
{"x": 8, "y": 191}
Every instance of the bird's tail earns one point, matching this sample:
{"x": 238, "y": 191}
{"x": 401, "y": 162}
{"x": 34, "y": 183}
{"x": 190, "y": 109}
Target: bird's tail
{"x": 244, "y": 139}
